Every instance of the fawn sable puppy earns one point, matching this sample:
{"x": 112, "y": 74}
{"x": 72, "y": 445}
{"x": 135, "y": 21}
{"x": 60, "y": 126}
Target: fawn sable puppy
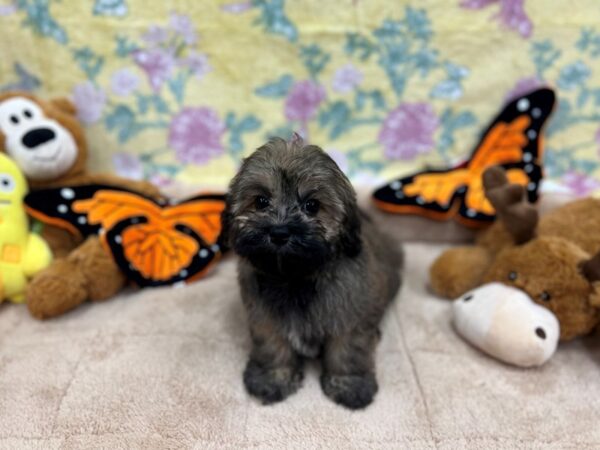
{"x": 315, "y": 273}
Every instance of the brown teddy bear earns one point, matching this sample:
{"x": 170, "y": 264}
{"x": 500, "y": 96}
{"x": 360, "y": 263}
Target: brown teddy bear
{"x": 555, "y": 260}
{"x": 48, "y": 143}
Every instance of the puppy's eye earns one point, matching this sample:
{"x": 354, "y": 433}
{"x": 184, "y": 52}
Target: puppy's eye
{"x": 312, "y": 206}
{"x": 545, "y": 296}
{"x": 512, "y": 276}
{"x": 14, "y": 119}
{"x": 261, "y": 202}
{"x": 27, "y": 114}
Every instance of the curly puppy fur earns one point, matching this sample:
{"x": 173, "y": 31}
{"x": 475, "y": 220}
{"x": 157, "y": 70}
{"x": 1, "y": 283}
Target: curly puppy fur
{"x": 316, "y": 275}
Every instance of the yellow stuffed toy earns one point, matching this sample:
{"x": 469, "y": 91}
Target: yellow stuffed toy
{"x": 22, "y": 254}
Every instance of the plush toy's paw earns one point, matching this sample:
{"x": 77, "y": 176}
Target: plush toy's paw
{"x": 351, "y": 391}
{"x": 56, "y": 290}
{"x": 458, "y": 270}
{"x": 273, "y": 384}
{"x": 505, "y": 323}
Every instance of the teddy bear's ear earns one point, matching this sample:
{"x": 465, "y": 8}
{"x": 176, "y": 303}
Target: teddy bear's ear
{"x": 64, "y": 104}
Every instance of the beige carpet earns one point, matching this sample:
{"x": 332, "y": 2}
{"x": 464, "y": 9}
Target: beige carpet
{"x": 162, "y": 369}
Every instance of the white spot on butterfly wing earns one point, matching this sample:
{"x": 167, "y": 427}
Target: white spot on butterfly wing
{"x": 203, "y": 253}
{"x": 527, "y": 157}
{"x": 399, "y": 194}
{"x": 471, "y": 212}
{"x": 215, "y": 248}
{"x": 420, "y": 200}
{"x": 395, "y": 185}
{"x": 529, "y": 168}
{"x": 523, "y": 104}
{"x": 536, "y": 113}
{"x": 531, "y": 134}
{"x": 67, "y": 193}
{"x": 62, "y": 208}
{"x": 81, "y": 220}
{"x": 183, "y": 273}
{"x": 118, "y": 240}
{"x": 531, "y": 186}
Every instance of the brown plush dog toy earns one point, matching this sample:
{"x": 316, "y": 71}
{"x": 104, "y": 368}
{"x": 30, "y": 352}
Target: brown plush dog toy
{"x": 48, "y": 143}
{"x": 555, "y": 260}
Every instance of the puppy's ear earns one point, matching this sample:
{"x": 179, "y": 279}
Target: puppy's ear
{"x": 226, "y": 219}
{"x": 350, "y": 239}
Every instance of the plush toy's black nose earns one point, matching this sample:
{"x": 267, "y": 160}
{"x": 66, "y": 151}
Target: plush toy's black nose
{"x": 37, "y": 137}
{"x": 279, "y": 234}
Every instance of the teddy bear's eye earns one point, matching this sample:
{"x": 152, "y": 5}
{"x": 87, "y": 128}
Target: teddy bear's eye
{"x": 14, "y": 119}
{"x": 27, "y": 114}
{"x": 512, "y": 275}
{"x": 467, "y": 297}
{"x": 545, "y": 296}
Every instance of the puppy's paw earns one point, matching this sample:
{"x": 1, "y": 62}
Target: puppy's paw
{"x": 351, "y": 391}
{"x": 273, "y": 384}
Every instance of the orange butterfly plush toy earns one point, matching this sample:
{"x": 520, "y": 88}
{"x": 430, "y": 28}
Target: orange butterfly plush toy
{"x": 513, "y": 141}
{"x": 153, "y": 243}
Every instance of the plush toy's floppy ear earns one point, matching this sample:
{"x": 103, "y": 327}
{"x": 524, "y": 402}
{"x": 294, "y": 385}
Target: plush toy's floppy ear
{"x": 65, "y": 105}
{"x": 518, "y": 216}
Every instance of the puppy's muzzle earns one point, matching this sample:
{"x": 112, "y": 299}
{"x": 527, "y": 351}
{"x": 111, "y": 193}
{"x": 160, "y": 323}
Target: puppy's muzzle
{"x": 279, "y": 234}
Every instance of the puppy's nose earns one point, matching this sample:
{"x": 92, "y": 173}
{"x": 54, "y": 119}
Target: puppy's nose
{"x": 279, "y": 234}
{"x": 37, "y": 137}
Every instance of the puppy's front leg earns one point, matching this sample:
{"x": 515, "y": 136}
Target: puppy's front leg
{"x": 349, "y": 369}
{"x": 274, "y": 370}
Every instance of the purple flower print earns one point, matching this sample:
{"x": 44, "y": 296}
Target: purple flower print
{"x": 155, "y": 35}
{"x": 128, "y": 166}
{"x": 476, "y": 4}
{"x": 236, "y": 8}
{"x": 346, "y": 78}
{"x": 157, "y": 63}
{"x": 512, "y": 14}
{"x": 197, "y": 62}
{"x": 408, "y": 131}
{"x": 183, "y": 26}
{"x": 160, "y": 180}
{"x": 522, "y": 87}
{"x": 580, "y": 184}
{"x": 7, "y": 10}
{"x": 123, "y": 82}
{"x": 340, "y": 159}
{"x": 195, "y": 134}
{"x": 89, "y": 101}
{"x": 303, "y": 100}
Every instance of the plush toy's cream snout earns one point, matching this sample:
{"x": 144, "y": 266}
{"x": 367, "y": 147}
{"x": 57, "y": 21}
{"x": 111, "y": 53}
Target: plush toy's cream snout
{"x": 505, "y": 323}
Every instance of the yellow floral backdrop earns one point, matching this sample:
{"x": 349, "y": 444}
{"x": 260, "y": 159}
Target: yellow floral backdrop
{"x": 182, "y": 90}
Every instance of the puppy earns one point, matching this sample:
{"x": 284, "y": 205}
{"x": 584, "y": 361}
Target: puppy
{"x": 315, "y": 273}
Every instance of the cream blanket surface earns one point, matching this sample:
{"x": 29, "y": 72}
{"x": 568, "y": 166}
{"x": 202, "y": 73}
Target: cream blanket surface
{"x": 162, "y": 368}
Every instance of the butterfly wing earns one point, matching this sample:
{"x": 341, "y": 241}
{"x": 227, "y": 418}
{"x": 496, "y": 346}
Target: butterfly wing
{"x": 513, "y": 140}
{"x": 179, "y": 245}
{"x": 433, "y": 194}
{"x": 56, "y": 206}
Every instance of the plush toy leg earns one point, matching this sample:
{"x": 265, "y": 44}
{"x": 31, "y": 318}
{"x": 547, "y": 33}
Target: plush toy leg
{"x": 459, "y": 270}
{"x": 88, "y": 273}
